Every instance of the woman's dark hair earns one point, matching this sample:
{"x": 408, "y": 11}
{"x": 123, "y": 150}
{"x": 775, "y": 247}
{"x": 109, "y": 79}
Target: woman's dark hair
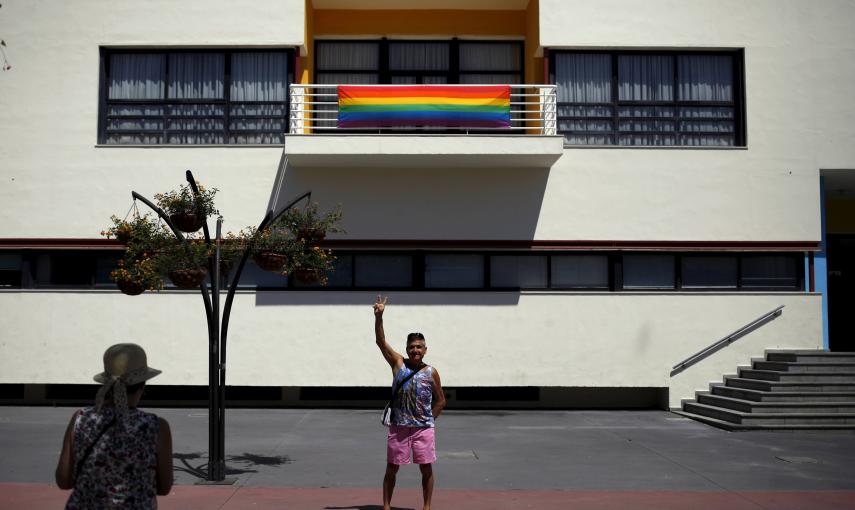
{"x": 133, "y": 388}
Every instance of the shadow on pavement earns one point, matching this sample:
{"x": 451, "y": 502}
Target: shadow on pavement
{"x": 248, "y": 460}
{"x": 364, "y": 507}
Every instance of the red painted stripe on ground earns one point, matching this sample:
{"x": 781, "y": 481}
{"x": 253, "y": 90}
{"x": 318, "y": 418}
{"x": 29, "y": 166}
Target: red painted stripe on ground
{"x": 191, "y": 497}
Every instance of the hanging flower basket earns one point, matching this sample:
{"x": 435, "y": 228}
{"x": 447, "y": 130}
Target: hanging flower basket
{"x": 124, "y": 235}
{"x": 307, "y": 276}
{"x": 186, "y": 221}
{"x": 270, "y": 260}
{"x": 130, "y": 287}
{"x": 312, "y": 235}
{"x": 187, "y": 278}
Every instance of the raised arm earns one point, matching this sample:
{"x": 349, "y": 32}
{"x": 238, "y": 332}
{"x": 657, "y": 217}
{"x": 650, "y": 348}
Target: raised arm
{"x": 395, "y": 360}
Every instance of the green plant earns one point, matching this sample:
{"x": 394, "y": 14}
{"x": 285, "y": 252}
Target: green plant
{"x": 273, "y": 240}
{"x": 142, "y": 272}
{"x": 139, "y": 229}
{"x": 175, "y": 254}
{"x": 183, "y": 201}
{"x": 307, "y": 260}
{"x": 309, "y": 223}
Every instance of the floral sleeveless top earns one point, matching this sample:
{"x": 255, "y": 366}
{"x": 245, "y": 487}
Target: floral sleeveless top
{"x": 120, "y": 470}
{"x": 412, "y": 404}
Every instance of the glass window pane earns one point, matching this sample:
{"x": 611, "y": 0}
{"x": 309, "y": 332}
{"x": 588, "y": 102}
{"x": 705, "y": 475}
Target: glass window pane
{"x": 341, "y": 275}
{"x": 419, "y": 56}
{"x": 259, "y": 77}
{"x": 104, "y": 264}
{"x": 489, "y": 79}
{"x": 770, "y": 271}
{"x": 518, "y": 271}
{"x": 580, "y": 271}
{"x": 705, "y": 77}
{"x": 454, "y": 271}
{"x": 136, "y": 76}
{"x": 347, "y": 79}
{"x": 490, "y": 56}
{"x": 349, "y": 55}
{"x": 254, "y": 276}
{"x": 709, "y": 272}
{"x": 72, "y": 269}
{"x": 648, "y": 271}
{"x": 196, "y": 75}
{"x": 383, "y": 270}
{"x": 583, "y": 77}
{"x": 645, "y": 78}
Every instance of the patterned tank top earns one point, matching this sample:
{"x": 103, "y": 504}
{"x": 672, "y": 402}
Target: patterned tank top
{"x": 412, "y": 404}
{"x": 120, "y": 470}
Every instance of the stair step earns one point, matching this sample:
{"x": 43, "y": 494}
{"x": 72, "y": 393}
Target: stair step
{"x": 749, "y": 406}
{"x": 741, "y": 418}
{"x": 756, "y": 384}
{"x": 774, "y": 375}
{"x": 801, "y": 368}
{"x": 734, "y": 427}
{"x": 809, "y": 356}
{"x": 781, "y": 396}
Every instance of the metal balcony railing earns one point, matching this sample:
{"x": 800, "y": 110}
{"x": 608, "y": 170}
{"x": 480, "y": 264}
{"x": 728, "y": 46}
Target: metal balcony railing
{"x": 314, "y": 109}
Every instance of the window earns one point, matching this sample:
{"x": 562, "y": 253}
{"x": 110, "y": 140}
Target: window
{"x": 637, "y": 98}
{"x": 10, "y": 270}
{"x": 418, "y": 62}
{"x": 712, "y": 272}
{"x": 195, "y": 97}
{"x": 383, "y": 271}
{"x": 454, "y": 271}
{"x": 519, "y": 271}
{"x": 648, "y": 272}
{"x": 580, "y": 271}
{"x": 420, "y": 270}
{"x": 770, "y": 272}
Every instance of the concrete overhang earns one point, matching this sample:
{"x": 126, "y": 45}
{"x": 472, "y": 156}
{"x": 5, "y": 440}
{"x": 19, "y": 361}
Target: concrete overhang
{"x": 414, "y": 151}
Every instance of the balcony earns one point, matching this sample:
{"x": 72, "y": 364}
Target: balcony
{"x": 391, "y": 126}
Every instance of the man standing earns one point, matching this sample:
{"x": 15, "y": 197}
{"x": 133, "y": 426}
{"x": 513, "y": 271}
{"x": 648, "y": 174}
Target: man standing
{"x": 415, "y": 406}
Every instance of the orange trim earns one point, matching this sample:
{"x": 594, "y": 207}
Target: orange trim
{"x": 342, "y": 22}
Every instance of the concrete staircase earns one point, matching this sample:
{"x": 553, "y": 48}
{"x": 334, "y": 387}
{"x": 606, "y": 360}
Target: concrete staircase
{"x": 788, "y": 390}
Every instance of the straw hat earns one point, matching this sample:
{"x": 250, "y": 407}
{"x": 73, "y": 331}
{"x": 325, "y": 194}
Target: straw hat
{"x": 124, "y": 365}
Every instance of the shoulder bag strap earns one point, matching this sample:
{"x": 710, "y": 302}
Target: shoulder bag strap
{"x": 403, "y": 382}
{"x": 92, "y": 447}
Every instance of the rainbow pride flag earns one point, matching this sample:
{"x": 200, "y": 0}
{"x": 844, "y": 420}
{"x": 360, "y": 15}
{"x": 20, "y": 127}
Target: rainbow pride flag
{"x": 424, "y": 105}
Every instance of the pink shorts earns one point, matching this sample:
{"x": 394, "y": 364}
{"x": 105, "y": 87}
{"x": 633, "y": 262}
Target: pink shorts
{"x": 402, "y": 440}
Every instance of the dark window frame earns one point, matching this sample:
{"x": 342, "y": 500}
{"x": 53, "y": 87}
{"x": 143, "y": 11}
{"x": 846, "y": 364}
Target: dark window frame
{"x": 226, "y": 132}
{"x": 31, "y": 279}
{"x": 738, "y": 103}
{"x": 384, "y": 72}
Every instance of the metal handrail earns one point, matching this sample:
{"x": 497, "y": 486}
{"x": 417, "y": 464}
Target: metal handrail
{"x": 536, "y": 113}
{"x": 744, "y": 330}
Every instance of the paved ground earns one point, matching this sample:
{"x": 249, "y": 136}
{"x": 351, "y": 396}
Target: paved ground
{"x": 334, "y": 459}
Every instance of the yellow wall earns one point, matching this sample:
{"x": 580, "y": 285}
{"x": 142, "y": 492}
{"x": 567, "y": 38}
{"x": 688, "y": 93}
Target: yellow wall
{"x": 307, "y": 62}
{"x": 533, "y": 63}
{"x": 426, "y": 23}
{"x": 419, "y": 22}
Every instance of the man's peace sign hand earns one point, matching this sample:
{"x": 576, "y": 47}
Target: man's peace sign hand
{"x": 380, "y": 305}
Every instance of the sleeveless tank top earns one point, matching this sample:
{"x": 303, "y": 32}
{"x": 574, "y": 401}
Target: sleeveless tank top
{"x": 120, "y": 470}
{"x": 412, "y": 404}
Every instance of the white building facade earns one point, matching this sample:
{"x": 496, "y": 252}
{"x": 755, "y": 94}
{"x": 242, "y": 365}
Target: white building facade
{"x": 701, "y": 153}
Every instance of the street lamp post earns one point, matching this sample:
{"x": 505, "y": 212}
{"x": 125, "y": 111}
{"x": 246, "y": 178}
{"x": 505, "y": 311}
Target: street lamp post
{"x": 217, "y": 329}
